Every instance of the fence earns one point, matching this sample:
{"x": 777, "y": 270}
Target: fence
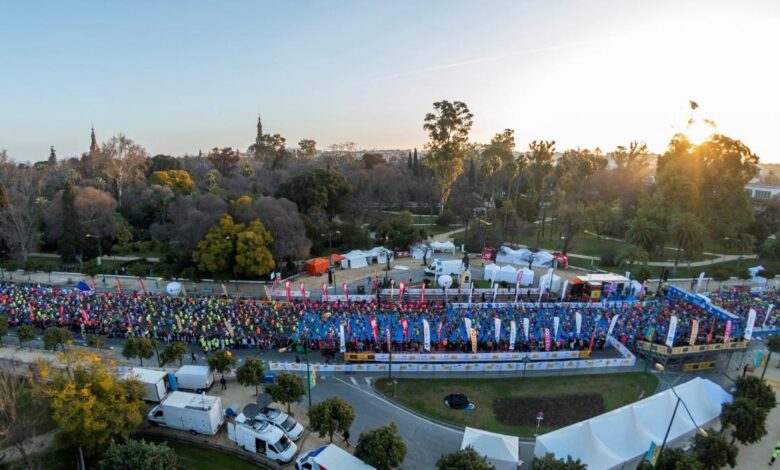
{"x": 665, "y": 350}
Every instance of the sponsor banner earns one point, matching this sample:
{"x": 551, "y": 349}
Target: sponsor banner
{"x": 480, "y": 357}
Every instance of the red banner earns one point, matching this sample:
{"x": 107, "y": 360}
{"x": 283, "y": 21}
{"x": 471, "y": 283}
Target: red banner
{"x": 712, "y": 332}
{"x": 375, "y": 330}
{"x": 287, "y": 291}
{"x": 325, "y": 292}
{"x": 346, "y": 290}
{"x": 547, "y": 341}
{"x": 405, "y": 325}
{"x": 92, "y": 281}
{"x": 592, "y": 339}
{"x": 141, "y": 284}
{"x": 727, "y": 333}
{"x": 401, "y": 291}
{"x": 376, "y": 282}
{"x": 118, "y": 286}
{"x": 422, "y": 294}
{"x": 303, "y": 291}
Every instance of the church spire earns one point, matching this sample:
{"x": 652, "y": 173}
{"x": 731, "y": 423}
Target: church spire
{"x": 259, "y": 138}
{"x": 94, "y": 149}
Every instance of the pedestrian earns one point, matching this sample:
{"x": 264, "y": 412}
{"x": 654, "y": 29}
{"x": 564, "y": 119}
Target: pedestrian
{"x": 297, "y": 359}
{"x": 346, "y": 440}
{"x": 775, "y": 453}
{"x": 194, "y": 358}
{"x": 223, "y": 382}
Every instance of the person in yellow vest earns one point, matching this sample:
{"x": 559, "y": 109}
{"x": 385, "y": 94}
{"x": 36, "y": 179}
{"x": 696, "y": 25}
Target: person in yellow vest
{"x": 775, "y": 453}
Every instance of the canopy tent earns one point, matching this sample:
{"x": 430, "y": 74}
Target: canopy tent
{"x": 419, "y": 251}
{"x": 378, "y": 254}
{"x": 336, "y": 258}
{"x": 553, "y": 285}
{"x": 502, "y": 451}
{"x": 528, "y": 277}
{"x": 354, "y": 259}
{"x": 507, "y": 274}
{"x": 622, "y": 436}
{"x": 317, "y": 266}
{"x": 491, "y": 272}
{"x": 524, "y": 256}
{"x": 443, "y": 246}
{"x": 83, "y": 286}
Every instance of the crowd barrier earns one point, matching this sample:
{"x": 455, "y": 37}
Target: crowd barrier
{"x": 456, "y": 367}
{"x": 683, "y": 350}
{"x": 464, "y": 357}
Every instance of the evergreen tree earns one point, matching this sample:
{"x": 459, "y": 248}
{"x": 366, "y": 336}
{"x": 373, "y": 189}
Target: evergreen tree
{"x": 52, "y": 155}
{"x": 409, "y": 161}
{"x": 472, "y": 173}
{"x": 69, "y": 246}
{"x": 3, "y": 197}
{"x": 416, "y": 163}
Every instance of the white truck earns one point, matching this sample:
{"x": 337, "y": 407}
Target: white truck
{"x": 261, "y": 437}
{"x": 439, "y": 267}
{"x": 198, "y": 414}
{"x": 330, "y": 457}
{"x": 155, "y": 382}
{"x": 197, "y": 378}
{"x": 293, "y": 429}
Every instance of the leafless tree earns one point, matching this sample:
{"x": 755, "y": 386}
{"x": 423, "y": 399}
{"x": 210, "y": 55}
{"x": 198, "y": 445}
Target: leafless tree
{"x": 19, "y": 221}
{"x": 123, "y": 162}
{"x": 17, "y": 423}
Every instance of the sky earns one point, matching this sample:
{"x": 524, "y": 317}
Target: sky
{"x": 180, "y": 76}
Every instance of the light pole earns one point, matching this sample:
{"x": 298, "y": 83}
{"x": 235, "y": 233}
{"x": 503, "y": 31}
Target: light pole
{"x": 660, "y": 368}
{"x": 100, "y": 248}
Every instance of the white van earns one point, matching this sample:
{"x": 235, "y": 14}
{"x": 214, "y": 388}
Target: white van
{"x": 198, "y": 414}
{"x": 293, "y": 429}
{"x": 439, "y": 267}
{"x": 155, "y": 382}
{"x": 261, "y": 437}
{"x": 197, "y": 378}
{"x": 330, "y": 457}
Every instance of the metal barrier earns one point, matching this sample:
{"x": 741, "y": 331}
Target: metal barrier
{"x": 696, "y": 366}
{"x": 665, "y": 350}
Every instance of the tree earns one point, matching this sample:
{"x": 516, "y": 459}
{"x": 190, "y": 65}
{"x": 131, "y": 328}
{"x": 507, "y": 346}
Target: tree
{"x": 307, "y": 148}
{"x": 179, "y": 181}
{"x": 216, "y": 252}
{"x": 97, "y": 341}
{"x": 757, "y": 390}
{"x": 332, "y": 415}
{"x": 448, "y": 130}
{"x": 138, "y": 347}
{"x": 20, "y": 205}
{"x": 714, "y": 451}
{"x": 382, "y": 447}
{"x": 644, "y": 233}
{"x": 25, "y": 333}
{"x": 631, "y": 254}
{"x": 20, "y": 413}
{"x": 540, "y": 168}
{"x": 161, "y": 162}
{"x": 675, "y": 458}
{"x": 285, "y": 224}
{"x": 3, "y": 328}
{"x": 774, "y": 346}
{"x": 747, "y": 419}
{"x": 173, "y": 352}
{"x": 72, "y": 235}
{"x": 550, "y": 462}
{"x": 222, "y": 361}
{"x": 252, "y": 255}
{"x": 139, "y": 455}
{"x": 400, "y": 231}
{"x": 252, "y": 373}
{"x": 464, "y": 459}
{"x": 55, "y": 337}
{"x": 123, "y": 162}
{"x": 224, "y": 160}
{"x": 322, "y": 188}
{"x": 688, "y": 232}
{"x": 89, "y": 404}
{"x": 720, "y": 274}
{"x": 287, "y": 389}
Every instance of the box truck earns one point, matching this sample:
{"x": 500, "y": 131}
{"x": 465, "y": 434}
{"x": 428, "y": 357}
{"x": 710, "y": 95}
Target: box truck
{"x": 155, "y": 382}
{"x": 197, "y": 378}
{"x": 439, "y": 267}
{"x": 261, "y": 437}
{"x": 330, "y": 457}
{"x": 198, "y": 414}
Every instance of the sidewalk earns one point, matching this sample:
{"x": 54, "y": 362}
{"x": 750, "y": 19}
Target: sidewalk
{"x": 758, "y": 454}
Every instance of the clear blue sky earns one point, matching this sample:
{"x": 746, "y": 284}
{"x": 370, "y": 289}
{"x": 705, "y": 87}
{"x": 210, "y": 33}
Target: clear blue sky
{"x": 181, "y": 76}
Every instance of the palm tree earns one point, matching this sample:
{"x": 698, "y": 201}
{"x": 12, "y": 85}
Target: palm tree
{"x": 633, "y": 254}
{"x": 688, "y": 231}
{"x": 643, "y": 232}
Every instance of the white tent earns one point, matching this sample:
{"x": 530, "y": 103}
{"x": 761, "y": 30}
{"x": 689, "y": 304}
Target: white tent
{"x": 443, "y": 246}
{"x": 543, "y": 259}
{"x": 554, "y": 285}
{"x": 528, "y": 277}
{"x": 378, "y": 254}
{"x": 508, "y": 255}
{"x": 507, "y": 274}
{"x": 622, "y": 436}
{"x": 500, "y": 450}
{"x": 491, "y": 271}
{"x": 418, "y": 251}
{"x": 354, "y": 259}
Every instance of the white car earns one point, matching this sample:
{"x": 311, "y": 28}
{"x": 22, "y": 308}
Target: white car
{"x": 293, "y": 429}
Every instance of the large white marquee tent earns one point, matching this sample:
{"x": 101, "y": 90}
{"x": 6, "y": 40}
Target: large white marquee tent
{"x": 622, "y": 436}
{"x": 354, "y": 259}
{"x": 443, "y": 246}
{"x": 541, "y": 259}
{"x": 500, "y": 450}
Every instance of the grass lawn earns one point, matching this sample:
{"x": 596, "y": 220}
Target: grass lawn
{"x": 193, "y": 457}
{"x": 437, "y": 229}
{"x": 426, "y": 396}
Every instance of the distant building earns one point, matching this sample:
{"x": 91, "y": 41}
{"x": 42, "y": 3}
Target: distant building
{"x": 762, "y": 191}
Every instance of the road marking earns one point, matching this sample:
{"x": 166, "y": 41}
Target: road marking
{"x": 368, "y": 380}
{"x": 389, "y": 403}
{"x": 354, "y": 382}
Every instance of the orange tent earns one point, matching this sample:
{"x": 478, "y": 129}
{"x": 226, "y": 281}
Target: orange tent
{"x": 317, "y": 266}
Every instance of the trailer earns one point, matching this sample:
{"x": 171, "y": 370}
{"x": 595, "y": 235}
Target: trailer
{"x": 156, "y": 382}
{"x": 196, "y": 378}
{"x": 261, "y": 437}
{"x": 197, "y": 414}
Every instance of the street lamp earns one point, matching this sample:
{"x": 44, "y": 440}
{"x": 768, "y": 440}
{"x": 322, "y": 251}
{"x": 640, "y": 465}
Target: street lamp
{"x": 100, "y": 249}
{"x": 660, "y": 368}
